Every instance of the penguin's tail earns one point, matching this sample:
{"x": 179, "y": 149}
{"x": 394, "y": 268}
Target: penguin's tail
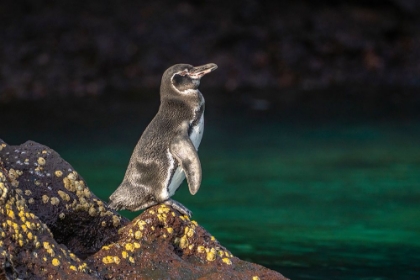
{"x": 115, "y": 204}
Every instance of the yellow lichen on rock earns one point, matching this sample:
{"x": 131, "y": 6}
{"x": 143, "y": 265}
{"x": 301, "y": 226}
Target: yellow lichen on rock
{"x": 161, "y": 217}
{"x": 255, "y": 278}
{"x": 115, "y": 221}
{"x": 227, "y": 261}
{"x": 129, "y": 247}
{"x": 10, "y": 214}
{"x": 55, "y": 262}
{"x": 72, "y": 176}
{"x": 201, "y": 249}
{"x": 37, "y": 244}
{"x": 117, "y": 260}
{"x": 124, "y": 254}
{"x": 41, "y": 161}
{"x": 83, "y": 267}
{"x": 163, "y": 209}
{"x": 72, "y": 267}
{"x": 141, "y": 224}
{"x": 210, "y": 256}
{"x": 55, "y": 200}
{"x": 108, "y": 259}
{"x": 92, "y": 211}
{"x": 45, "y": 198}
{"x": 64, "y": 196}
{"x": 69, "y": 184}
{"x": 87, "y": 193}
{"x": 101, "y": 209}
{"x": 138, "y": 235}
{"x": 183, "y": 242}
{"x": 46, "y": 245}
{"x": 14, "y": 174}
{"x": 190, "y": 232}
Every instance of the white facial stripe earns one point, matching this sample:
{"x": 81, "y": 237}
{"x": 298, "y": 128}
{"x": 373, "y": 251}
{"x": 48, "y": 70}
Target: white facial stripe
{"x": 187, "y": 91}
{"x": 182, "y": 73}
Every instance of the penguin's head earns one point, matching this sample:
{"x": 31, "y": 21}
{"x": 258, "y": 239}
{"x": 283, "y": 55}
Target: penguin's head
{"x": 185, "y": 78}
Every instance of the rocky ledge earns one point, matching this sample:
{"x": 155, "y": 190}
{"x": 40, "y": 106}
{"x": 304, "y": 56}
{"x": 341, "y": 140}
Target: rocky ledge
{"x": 53, "y": 227}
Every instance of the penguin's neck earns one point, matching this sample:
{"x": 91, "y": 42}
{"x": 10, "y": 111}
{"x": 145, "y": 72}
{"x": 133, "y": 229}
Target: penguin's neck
{"x": 193, "y": 101}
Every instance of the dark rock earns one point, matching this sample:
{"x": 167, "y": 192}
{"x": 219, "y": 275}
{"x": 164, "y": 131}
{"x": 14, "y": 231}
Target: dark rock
{"x": 55, "y": 193}
{"x": 53, "y": 226}
{"x": 28, "y": 249}
{"x": 162, "y": 242}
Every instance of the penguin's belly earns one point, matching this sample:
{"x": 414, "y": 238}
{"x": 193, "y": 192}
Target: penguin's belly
{"x": 179, "y": 175}
{"x": 176, "y": 181}
{"x": 197, "y": 132}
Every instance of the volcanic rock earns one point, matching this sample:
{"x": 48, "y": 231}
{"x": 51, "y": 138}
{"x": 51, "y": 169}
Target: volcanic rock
{"x": 53, "y": 226}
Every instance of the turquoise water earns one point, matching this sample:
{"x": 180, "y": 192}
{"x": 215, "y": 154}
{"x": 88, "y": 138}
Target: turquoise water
{"x": 313, "y": 200}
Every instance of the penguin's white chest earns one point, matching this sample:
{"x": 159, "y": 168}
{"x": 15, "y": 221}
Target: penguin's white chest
{"x": 179, "y": 175}
{"x": 197, "y": 133}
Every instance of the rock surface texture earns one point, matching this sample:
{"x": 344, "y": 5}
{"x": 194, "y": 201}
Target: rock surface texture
{"x": 53, "y": 227}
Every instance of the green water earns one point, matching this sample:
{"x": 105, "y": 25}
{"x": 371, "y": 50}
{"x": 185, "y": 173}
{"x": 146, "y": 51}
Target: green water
{"x": 310, "y": 200}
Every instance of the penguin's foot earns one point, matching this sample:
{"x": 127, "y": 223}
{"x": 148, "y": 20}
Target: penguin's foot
{"x": 178, "y": 206}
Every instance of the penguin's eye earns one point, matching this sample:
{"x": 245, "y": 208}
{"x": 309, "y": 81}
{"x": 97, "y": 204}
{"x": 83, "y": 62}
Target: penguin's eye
{"x": 180, "y": 81}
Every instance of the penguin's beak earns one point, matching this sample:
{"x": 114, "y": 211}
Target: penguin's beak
{"x": 199, "y": 71}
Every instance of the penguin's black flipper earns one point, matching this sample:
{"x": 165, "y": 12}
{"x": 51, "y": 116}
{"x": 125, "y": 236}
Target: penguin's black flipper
{"x": 184, "y": 151}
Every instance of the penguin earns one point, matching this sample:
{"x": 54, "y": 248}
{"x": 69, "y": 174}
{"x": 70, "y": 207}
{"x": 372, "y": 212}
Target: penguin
{"x": 167, "y": 150}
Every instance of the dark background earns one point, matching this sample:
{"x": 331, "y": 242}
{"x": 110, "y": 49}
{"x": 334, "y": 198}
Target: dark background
{"x": 316, "y": 58}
